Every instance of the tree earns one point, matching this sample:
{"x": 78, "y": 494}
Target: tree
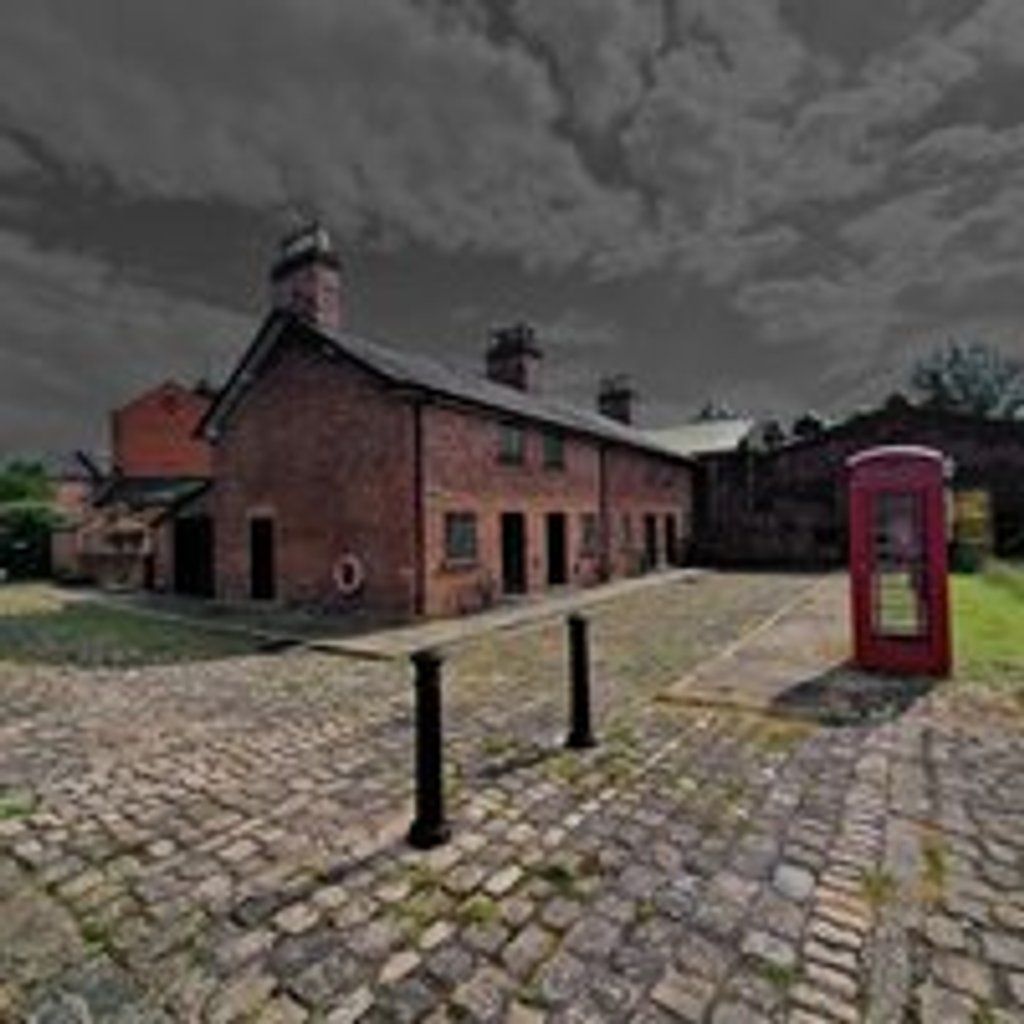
{"x": 973, "y": 378}
{"x": 25, "y": 528}
{"x": 21, "y": 480}
{"x": 808, "y": 426}
{"x": 26, "y": 519}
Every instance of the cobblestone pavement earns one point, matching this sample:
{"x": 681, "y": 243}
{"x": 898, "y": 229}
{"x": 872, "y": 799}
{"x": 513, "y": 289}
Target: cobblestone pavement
{"x": 224, "y": 842}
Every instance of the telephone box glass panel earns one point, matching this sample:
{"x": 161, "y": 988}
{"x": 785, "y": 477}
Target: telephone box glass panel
{"x": 899, "y": 608}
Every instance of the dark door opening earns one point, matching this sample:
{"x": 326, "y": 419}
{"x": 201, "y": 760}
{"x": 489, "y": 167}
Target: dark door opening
{"x": 261, "y": 559}
{"x": 650, "y": 542}
{"x": 557, "y": 569}
{"x": 513, "y": 552}
{"x": 193, "y": 556}
{"x": 671, "y": 550}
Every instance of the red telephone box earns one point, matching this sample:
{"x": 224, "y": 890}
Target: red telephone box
{"x": 898, "y": 564}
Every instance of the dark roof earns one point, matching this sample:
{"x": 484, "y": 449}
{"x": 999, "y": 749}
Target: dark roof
{"x": 149, "y": 492}
{"x": 410, "y": 370}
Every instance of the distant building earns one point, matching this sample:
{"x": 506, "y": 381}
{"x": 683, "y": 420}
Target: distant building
{"x": 787, "y": 506}
{"x": 156, "y": 459}
{"x": 75, "y": 479}
{"x": 154, "y": 434}
{"x": 350, "y": 474}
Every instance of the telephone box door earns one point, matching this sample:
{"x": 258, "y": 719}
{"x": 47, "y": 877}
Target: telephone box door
{"x": 898, "y": 564}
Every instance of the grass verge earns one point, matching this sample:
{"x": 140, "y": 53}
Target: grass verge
{"x": 988, "y": 626}
{"x": 40, "y": 624}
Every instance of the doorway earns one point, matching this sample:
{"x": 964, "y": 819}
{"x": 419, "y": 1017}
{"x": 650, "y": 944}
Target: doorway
{"x": 671, "y": 551}
{"x": 556, "y": 547}
{"x": 513, "y": 552}
{"x": 650, "y": 542}
{"x": 193, "y": 556}
{"x": 262, "y": 577}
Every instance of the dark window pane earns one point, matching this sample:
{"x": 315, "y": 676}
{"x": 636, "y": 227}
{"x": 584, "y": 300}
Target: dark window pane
{"x": 554, "y": 450}
{"x": 899, "y": 599}
{"x": 512, "y": 443}
{"x": 460, "y": 536}
{"x": 588, "y": 534}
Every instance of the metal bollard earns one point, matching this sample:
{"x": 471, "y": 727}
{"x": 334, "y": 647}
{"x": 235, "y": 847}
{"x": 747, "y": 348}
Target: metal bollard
{"x": 429, "y": 827}
{"x": 580, "y": 734}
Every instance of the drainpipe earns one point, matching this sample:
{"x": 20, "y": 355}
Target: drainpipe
{"x": 604, "y": 566}
{"x": 419, "y": 514}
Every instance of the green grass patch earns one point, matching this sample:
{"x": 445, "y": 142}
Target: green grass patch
{"x": 878, "y": 887}
{"x": 16, "y": 805}
{"x": 560, "y": 876}
{"x": 780, "y": 976}
{"x": 478, "y": 910}
{"x": 39, "y": 624}
{"x": 934, "y": 867}
{"x": 988, "y": 626}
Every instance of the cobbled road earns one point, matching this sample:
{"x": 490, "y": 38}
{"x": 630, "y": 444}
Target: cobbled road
{"x": 224, "y": 841}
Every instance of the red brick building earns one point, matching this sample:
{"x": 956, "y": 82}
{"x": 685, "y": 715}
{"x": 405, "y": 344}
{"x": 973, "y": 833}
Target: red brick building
{"x": 154, "y": 435}
{"x": 157, "y": 459}
{"x": 350, "y": 474}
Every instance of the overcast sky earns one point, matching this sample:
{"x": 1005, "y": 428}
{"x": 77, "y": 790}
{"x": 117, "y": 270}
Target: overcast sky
{"x": 773, "y": 203}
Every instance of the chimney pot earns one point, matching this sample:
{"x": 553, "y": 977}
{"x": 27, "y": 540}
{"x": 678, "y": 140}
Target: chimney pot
{"x": 306, "y": 278}
{"x": 615, "y": 398}
{"x": 513, "y": 357}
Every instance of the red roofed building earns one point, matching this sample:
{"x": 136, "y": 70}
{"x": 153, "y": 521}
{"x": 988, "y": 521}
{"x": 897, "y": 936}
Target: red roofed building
{"x": 154, "y": 434}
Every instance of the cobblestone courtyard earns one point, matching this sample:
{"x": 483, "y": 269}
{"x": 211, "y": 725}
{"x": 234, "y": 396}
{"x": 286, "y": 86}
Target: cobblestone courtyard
{"x": 223, "y": 840}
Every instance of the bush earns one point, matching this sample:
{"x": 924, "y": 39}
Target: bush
{"x": 25, "y": 528}
{"x": 966, "y": 558}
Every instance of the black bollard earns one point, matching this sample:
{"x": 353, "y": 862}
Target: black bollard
{"x": 580, "y": 734}
{"x": 429, "y": 827}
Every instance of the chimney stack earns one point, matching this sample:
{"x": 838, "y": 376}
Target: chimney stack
{"x": 615, "y": 398}
{"x": 513, "y": 357}
{"x": 305, "y": 278}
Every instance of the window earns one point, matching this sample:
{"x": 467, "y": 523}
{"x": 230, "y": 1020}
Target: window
{"x": 589, "y": 540}
{"x": 512, "y": 444}
{"x": 627, "y": 530}
{"x": 554, "y": 451}
{"x": 460, "y": 537}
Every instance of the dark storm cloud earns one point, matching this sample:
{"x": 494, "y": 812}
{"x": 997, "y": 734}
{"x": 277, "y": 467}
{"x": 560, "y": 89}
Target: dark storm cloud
{"x": 753, "y": 180}
{"x": 78, "y": 341}
{"x": 369, "y": 111}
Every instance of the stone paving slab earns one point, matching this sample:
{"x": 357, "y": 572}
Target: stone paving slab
{"x": 401, "y": 641}
{"x": 807, "y": 638}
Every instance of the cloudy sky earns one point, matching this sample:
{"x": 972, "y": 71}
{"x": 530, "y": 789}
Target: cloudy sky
{"x": 774, "y": 203}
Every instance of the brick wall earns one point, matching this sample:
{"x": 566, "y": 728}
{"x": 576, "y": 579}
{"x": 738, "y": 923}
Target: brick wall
{"x": 329, "y": 454}
{"x": 790, "y": 507}
{"x": 323, "y": 450}
{"x": 153, "y": 435}
{"x": 640, "y": 485}
{"x": 464, "y": 473}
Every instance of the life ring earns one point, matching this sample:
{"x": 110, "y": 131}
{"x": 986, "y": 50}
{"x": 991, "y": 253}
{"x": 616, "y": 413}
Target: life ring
{"x": 349, "y": 575}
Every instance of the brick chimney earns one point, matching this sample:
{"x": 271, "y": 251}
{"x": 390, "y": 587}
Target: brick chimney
{"x": 615, "y": 398}
{"x": 305, "y": 278}
{"x": 513, "y": 357}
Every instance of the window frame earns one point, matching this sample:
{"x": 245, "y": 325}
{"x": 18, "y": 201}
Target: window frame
{"x": 511, "y": 455}
{"x": 451, "y": 517}
{"x": 554, "y": 449}
{"x": 590, "y": 535}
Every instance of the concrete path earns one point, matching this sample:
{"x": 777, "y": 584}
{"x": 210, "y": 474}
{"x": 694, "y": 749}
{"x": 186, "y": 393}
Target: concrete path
{"x": 807, "y": 639}
{"x": 402, "y": 641}
{"x": 359, "y": 636}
